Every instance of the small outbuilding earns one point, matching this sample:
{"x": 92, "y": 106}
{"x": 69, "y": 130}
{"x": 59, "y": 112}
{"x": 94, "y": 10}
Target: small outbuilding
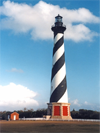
{"x": 14, "y": 116}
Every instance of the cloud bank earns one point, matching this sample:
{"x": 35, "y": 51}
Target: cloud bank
{"x": 14, "y": 97}
{"x": 38, "y": 19}
{"x": 76, "y": 104}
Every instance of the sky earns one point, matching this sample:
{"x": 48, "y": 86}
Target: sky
{"x": 26, "y": 46}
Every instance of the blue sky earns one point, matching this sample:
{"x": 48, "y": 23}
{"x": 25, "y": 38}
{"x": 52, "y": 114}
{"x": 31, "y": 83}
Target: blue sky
{"x": 26, "y": 44}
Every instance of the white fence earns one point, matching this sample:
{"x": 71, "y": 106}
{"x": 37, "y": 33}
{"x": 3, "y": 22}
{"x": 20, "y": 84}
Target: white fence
{"x": 86, "y": 120}
{"x": 34, "y": 119}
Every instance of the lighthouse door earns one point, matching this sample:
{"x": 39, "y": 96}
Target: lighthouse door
{"x": 14, "y": 117}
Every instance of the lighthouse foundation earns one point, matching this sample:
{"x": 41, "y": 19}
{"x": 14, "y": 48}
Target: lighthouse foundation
{"x": 59, "y": 111}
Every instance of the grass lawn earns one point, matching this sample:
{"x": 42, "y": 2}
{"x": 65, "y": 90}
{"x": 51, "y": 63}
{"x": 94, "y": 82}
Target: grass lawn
{"x": 49, "y": 127}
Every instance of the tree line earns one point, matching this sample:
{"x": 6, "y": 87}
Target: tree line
{"x": 81, "y": 114}
{"x": 85, "y": 114}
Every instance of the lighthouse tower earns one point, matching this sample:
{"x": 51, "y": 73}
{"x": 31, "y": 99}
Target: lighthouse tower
{"x": 58, "y": 107}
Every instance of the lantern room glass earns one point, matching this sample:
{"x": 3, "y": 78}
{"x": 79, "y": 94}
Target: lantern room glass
{"x": 58, "y": 19}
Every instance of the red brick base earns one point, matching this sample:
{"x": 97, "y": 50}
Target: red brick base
{"x": 56, "y": 110}
{"x": 65, "y": 110}
{"x": 59, "y": 110}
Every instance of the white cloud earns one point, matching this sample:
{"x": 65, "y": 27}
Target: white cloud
{"x": 86, "y": 103}
{"x": 39, "y": 18}
{"x": 91, "y": 106}
{"x": 75, "y": 102}
{"x": 14, "y": 96}
{"x": 15, "y": 70}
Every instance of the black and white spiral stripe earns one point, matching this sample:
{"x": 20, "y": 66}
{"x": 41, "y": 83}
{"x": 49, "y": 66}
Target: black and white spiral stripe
{"x": 58, "y": 78}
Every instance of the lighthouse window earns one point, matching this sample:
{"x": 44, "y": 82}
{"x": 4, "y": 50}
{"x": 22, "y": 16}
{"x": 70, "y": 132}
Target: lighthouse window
{"x": 58, "y": 19}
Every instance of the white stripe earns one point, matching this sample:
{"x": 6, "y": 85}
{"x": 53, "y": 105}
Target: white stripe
{"x": 58, "y": 54}
{"x": 57, "y": 79}
{"x": 64, "y": 98}
{"x": 57, "y": 37}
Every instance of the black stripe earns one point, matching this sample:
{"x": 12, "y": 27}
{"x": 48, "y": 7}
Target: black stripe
{"x": 60, "y": 62}
{"x": 59, "y": 91}
{"x": 58, "y": 44}
{"x": 55, "y": 33}
{"x": 58, "y": 29}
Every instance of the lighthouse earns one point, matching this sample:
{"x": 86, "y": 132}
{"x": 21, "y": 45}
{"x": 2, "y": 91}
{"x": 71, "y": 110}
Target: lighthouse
{"x": 58, "y": 106}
